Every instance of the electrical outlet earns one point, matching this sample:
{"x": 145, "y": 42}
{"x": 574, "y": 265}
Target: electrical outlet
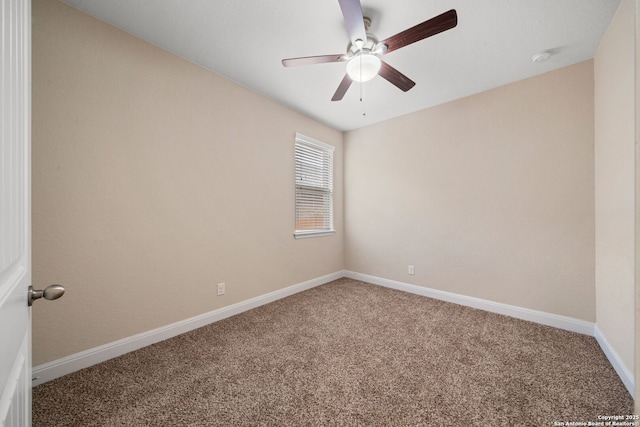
{"x": 412, "y": 269}
{"x": 221, "y": 288}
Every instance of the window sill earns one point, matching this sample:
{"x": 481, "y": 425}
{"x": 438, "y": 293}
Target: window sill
{"x": 307, "y": 234}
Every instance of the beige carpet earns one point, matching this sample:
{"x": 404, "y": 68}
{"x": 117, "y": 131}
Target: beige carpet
{"x": 346, "y": 354}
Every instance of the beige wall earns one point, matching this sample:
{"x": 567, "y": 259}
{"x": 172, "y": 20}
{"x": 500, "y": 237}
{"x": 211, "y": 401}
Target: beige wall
{"x": 490, "y": 196}
{"x": 153, "y": 180}
{"x": 614, "y": 184}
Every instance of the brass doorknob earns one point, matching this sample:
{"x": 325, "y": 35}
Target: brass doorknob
{"x": 50, "y": 292}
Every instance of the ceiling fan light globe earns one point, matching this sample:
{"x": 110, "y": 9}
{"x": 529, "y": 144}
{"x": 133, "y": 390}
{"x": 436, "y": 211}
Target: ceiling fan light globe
{"x": 363, "y": 67}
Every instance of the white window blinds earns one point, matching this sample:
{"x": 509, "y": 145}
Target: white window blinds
{"x": 314, "y": 187}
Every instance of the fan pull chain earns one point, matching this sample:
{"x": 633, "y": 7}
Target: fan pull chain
{"x": 364, "y": 110}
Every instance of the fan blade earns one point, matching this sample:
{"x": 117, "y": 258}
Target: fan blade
{"x": 428, "y": 28}
{"x": 352, "y": 13}
{"x": 395, "y": 77}
{"x": 342, "y": 89}
{"x": 309, "y": 60}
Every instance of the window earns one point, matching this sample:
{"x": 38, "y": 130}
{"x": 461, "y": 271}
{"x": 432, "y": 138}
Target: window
{"x": 314, "y": 188}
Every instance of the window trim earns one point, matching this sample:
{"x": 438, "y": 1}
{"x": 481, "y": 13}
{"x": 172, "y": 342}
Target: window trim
{"x": 314, "y": 143}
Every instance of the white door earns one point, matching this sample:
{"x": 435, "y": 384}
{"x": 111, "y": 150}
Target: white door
{"x": 15, "y": 212}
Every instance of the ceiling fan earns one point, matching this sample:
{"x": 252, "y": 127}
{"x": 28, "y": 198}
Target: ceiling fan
{"x": 364, "y": 50}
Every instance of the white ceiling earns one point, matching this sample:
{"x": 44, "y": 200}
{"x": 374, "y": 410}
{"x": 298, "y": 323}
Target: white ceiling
{"x": 245, "y": 40}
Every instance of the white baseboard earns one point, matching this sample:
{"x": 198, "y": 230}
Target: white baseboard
{"x": 541, "y": 317}
{"x": 84, "y": 359}
{"x": 548, "y": 319}
{"x": 75, "y": 362}
{"x": 625, "y": 375}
